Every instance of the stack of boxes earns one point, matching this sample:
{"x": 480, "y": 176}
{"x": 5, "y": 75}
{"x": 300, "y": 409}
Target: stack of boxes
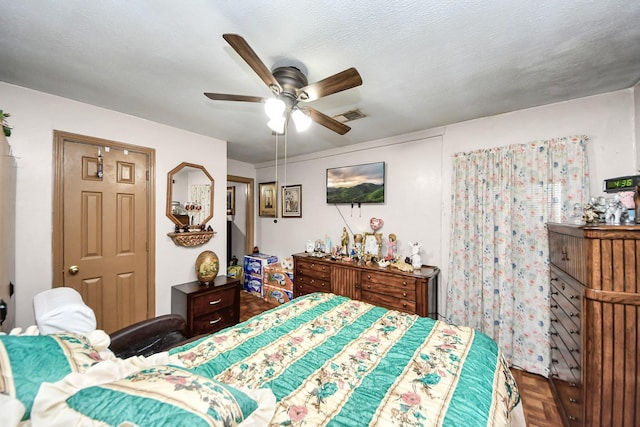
{"x": 254, "y": 266}
{"x": 277, "y": 283}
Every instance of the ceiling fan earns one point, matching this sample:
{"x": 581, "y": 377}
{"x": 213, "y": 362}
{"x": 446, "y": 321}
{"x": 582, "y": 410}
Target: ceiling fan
{"x": 290, "y": 87}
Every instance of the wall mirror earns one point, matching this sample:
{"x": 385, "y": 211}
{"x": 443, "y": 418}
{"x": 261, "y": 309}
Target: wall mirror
{"x": 189, "y": 195}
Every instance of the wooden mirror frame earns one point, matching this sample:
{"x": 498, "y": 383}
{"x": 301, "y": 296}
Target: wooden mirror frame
{"x": 170, "y": 177}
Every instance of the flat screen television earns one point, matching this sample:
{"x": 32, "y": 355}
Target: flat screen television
{"x": 356, "y": 184}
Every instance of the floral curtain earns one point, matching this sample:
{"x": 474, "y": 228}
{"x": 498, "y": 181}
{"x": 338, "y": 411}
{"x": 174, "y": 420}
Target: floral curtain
{"x": 499, "y": 263}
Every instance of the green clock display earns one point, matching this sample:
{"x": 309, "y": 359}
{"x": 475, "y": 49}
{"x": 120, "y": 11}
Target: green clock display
{"x": 624, "y": 183}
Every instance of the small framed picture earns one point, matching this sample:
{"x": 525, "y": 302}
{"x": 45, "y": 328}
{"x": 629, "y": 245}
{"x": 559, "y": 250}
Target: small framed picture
{"x": 231, "y": 200}
{"x": 268, "y": 199}
{"x": 292, "y": 201}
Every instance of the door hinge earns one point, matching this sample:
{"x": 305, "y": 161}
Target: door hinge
{"x": 147, "y": 175}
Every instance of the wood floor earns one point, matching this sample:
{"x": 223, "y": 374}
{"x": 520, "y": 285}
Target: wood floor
{"x": 540, "y": 409}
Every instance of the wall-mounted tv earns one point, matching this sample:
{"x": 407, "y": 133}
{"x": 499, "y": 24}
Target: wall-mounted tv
{"x": 356, "y": 184}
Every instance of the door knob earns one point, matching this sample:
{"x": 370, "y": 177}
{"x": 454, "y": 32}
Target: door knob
{"x": 73, "y": 270}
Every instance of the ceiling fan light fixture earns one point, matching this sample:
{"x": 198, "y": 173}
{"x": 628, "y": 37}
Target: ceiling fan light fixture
{"x": 277, "y": 124}
{"x": 274, "y": 108}
{"x": 301, "y": 120}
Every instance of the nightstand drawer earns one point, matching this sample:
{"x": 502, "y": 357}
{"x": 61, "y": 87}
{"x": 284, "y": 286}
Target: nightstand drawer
{"x": 213, "y": 322}
{"x": 213, "y": 301}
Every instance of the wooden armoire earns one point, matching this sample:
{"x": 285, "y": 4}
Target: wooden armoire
{"x": 595, "y": 309}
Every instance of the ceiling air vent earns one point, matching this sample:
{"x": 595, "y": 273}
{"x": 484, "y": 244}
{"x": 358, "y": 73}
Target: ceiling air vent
{"x": 349, "y": 116}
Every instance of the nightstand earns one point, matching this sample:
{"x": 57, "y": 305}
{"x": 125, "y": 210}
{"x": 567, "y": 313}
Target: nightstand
{"x": 207, "y": 309}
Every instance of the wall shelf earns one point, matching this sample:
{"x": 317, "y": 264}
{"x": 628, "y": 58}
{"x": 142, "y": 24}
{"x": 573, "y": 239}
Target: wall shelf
{"x": 191, "y": 238}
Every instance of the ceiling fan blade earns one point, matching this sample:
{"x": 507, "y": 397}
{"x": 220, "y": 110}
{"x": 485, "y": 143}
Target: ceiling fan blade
{"x": 338, "y": 82}
{"x": 227, "y": 97}
{"x": 326, "y": 121}
{"x": 240, "y": 45}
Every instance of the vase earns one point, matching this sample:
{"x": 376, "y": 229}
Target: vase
{"x": 207, "y": 266}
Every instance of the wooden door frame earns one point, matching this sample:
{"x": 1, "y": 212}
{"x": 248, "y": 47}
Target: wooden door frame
{"x": 59, "y": 137}
{"x": 248, "y": 238}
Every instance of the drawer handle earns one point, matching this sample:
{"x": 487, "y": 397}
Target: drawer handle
{"x": 404, "y": 283}
{"x": 554, "y": 320}
{"x": 565, "y": 255}
{"x": 574, "y": 315}
{"x": 554, "y": 361}
{"x": 215, "y": 302}
{"x": 323, "y": 284}
{"x": 553, "y": 279}
{"x": 574, "y": 332}
{"x": 553, "y": 347}
{"x": 554, "y": 306}
{"x": 572, "y": 418}
{"x": 312, "y": 281}
{"x": 404, "y": 294}
{"x": 574, "y": 350}
{"x": 572, "y": 400}
{"x": 404, "y": 304}
{"x": 574, "y": 368}
{"x": 312, "y": 265}
{"x": 368, "y": 277}
{"x": 573, "y": 385}
{"x": 358, "y": 286}
{"x": 213, "y": 322}
{"x": 368, "y": 286}
{"x": 554, "y": 293}
{"x": 574, "y": 297}
{"x": 554, "y": 334}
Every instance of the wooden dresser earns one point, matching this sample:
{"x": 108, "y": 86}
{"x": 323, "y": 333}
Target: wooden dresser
{"x": 390, "y": 288}
{"x": 207, "y": 309}
{"x": 595, "y": 308}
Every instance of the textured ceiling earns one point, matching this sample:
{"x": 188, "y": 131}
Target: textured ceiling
{"x": 423, "y": 63}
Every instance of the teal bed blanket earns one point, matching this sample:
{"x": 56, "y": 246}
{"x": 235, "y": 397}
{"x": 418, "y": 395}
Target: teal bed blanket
{"x": 333, "y": 361}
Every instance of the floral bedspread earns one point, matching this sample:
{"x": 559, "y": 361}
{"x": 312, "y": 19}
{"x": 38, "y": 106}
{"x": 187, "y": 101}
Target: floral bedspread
{"x": 334, "y": 361}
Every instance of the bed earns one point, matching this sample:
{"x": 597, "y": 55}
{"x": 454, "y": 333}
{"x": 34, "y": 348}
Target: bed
{"x": 318, "y": 360}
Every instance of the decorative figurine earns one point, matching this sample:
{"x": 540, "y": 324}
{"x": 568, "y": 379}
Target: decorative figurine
{"x": 344, "y": 241}
{"x": 357, "y": 243}
{"x": 177, "y": 228}
{"x": 615, "y": 211}
{"x": 415, "y": 255}
{"x": 392, "y": 245}
{"x": 309, "y": 246}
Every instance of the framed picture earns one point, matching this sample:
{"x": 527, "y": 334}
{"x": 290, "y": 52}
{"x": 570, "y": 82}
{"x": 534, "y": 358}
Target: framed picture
{"x": 372, "y": 244}
{"x": 268, "y": 199}
{"x": 292, "y": 201}
{"x": 231, "y": 200}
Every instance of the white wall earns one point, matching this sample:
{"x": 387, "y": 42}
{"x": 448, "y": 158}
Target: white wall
{"x": 34, "y": 116}
{"x": 418, "y": 168}
{"x": 636, "y": 122}
{"x": 418, "y": 172}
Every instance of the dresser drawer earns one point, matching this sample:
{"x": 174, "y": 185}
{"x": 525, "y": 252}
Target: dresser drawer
{"x": 565, "y": 361}
{"x": 313, "y": 269}
{"x": 388, "y": 301}
{"x": 569, "y": 396}
{"x": 389, "y": 282}
{"x": 307, "y": 285}
{"x": 212, "y": 301}
{"x": 215, "y": 321}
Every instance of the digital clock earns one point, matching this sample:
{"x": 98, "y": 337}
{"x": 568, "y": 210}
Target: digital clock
{"x": 623, "y": 183}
